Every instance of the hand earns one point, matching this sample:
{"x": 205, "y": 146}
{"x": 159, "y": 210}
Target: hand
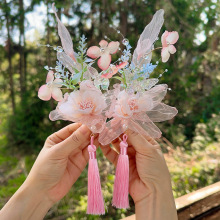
{"x": 61, "y": 161}
{"x": 58, "y": 166}
{"x": 149, "y": 178}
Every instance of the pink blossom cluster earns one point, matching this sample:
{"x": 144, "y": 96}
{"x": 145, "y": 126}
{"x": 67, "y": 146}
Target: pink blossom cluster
{"x": 134, "y": 103}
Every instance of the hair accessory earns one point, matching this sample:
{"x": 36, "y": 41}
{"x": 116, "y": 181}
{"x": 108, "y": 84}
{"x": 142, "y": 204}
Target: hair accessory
{"x": 95, "y": 198}
{"x": 133, "y": 102}
{"x": 121, "y": 184}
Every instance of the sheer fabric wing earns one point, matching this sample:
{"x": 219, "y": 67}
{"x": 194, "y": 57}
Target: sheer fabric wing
{"x": 147, "y": 38}
{"x": 150, "y": 83}
{"x": 96, "y": 125}
{"x": 113, "y": 129}
{"x": 68, "y": 62}
{"x": 65, "y": 37}
{"x": 143, "y": 125}
{"x": 162, "y": 112}
{"x": 157, "y": 93}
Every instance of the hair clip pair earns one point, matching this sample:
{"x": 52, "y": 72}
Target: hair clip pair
{"x": 134, "y": 102}
{"x": 121, "y": 185}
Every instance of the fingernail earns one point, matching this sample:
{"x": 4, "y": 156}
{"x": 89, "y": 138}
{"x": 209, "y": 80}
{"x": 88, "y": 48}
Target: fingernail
{"x": 84, "y": 130}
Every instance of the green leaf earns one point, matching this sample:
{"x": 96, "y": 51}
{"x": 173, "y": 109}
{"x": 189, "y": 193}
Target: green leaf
{"x": 84, "y": 69}
{"x": 119, "y": 78}
{"x": 76, "y": 70}
{"x": 76, "y": 78}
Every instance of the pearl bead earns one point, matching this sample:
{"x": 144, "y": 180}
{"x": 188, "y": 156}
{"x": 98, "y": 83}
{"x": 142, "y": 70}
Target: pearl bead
{"x": 125, "y": 41}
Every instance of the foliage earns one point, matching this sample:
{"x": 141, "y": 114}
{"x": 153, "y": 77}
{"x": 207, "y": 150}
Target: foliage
{"x": 199, "y": 166}
{"x": 12, "y": 186}
{"x": 193, "y": 170}
{"x": 193, "y": 74}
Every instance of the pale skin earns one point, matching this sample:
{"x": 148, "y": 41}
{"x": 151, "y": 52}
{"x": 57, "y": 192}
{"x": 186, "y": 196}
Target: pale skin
{"x": 149, "y": 178}
{"x": 64, "y": 157}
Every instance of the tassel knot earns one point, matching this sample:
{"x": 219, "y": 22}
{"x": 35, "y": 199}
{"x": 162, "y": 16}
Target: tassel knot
{"x": 124, "y": 145}
{"x": 121, "y": 184}
{"x": 95, "y": 198}
{"x": 92, "y": 149}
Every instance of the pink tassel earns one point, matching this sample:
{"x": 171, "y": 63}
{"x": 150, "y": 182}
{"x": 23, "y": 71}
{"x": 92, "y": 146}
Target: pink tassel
{"x": 95, "y": 198}
{"x": 121, "y": 184}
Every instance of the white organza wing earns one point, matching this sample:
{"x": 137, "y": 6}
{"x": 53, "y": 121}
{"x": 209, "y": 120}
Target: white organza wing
{"x": 57, "y": 115}
{"x": 162, "y": 112}
{"x": 68, "y": 62}
{"x": 142, "y": 124}
{"x": 157, "y": 93}
{"x": 96, "y": 124}
{"x": 113, "y": 129}
{"x": 147, "y": 38}
{"x": 65, "y": 37}
{"x": 149, "y": 83}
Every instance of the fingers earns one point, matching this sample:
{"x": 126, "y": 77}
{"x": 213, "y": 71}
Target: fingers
{"x": 110, "y": 154}
{"x": 151, "y": 140}
{"x": 116, "y": 145}
{"x": 80, "y": 156}
{"x": 84, "y": 145}
{"x": 85, "y": 150}
{"x": 80, "y": 137}
{"x": 78, "y": 161}
{"x": 64, "y": 133}
{"x": 140, "y": 143}
{"x": 75, "y": 166}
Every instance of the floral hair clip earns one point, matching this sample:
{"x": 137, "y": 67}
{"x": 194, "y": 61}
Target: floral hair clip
{"x": 135, "y": 102}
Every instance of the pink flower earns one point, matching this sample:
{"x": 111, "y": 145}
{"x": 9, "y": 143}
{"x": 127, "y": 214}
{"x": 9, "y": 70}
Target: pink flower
{"x": 113, "y": 70}
{"x": 137, "y": 112}
{"x": 129, "y": 104}
{"x": 168, "y": 39}
{"x": 103, "y": 52}
{"x": 52, "y": 88}
{"x": 85, "y": 106}
{"x": 88, "y": 85}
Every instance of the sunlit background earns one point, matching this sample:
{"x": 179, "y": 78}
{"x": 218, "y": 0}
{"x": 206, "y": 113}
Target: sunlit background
{"x": 190, "y": 141}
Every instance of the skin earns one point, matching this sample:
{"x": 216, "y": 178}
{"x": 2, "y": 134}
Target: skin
{"x": 149, "y": 178}
{"x": 58, "y": 166}
{"x": 64, "y": 157}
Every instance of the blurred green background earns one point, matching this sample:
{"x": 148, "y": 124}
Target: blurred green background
{"x": 191, "y": 141}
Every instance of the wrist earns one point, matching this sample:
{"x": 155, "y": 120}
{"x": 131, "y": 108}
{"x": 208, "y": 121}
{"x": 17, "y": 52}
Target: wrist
{"x": 27, "y": 203}
{"x": 158, "y": 204}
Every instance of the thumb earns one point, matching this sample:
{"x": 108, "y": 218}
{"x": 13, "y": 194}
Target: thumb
{"x": 79, "y": 139}
{"x": 140, "y": 144}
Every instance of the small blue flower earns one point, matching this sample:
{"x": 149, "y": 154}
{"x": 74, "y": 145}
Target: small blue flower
{"x": 145, "y": 72}
{"x": 126, "y": 54}
{"x": 148, "y": 68}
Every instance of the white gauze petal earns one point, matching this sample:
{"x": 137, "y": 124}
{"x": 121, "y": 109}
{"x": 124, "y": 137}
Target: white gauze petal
{"x": 150, "y": 33}
{"x": 162, "y": 112}
{"x": 65, "y": 37}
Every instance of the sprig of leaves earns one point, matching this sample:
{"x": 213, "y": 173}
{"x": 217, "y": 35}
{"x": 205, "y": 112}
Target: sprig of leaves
{"x": 82, "y": 49}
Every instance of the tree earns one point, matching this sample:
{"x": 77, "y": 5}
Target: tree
{"x": 22, "y": 65}
{"x": 9, "y": 52}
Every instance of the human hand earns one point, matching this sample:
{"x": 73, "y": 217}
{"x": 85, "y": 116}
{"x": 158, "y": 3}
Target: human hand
{"x": 149, "y": 178}
{"x": 61, "y": 161}
{"x": 56, "y": 169}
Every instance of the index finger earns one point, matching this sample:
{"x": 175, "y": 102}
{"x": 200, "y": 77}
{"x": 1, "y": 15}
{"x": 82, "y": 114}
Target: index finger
{"x": 64, "y": 133}
{"x": 140, "y": 143}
